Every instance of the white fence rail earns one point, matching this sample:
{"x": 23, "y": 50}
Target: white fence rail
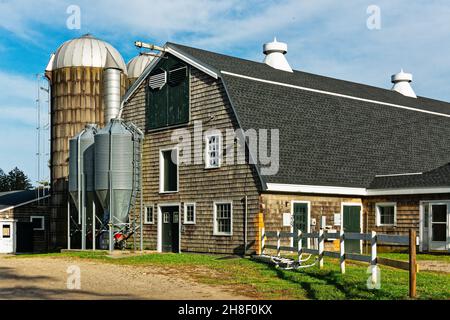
{"x": 320, "y": 238}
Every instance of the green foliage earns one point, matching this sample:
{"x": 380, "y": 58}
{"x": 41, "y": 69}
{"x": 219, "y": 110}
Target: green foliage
{"x": 16, "y": 179}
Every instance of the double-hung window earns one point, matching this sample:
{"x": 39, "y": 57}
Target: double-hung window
{"x": 223, "y": 218}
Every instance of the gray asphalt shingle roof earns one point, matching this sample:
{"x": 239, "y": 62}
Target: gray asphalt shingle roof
{"x": 439, "y": 177}
{"x": 335, "y": 141}
{"x": 14, "y": 198}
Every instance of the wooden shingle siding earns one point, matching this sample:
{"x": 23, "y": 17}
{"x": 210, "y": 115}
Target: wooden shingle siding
{"x": 408, "y": 211}
{"x": 41, "y": 239}
{"x": 274, "y": 205}
{"x": 208, "y": 104}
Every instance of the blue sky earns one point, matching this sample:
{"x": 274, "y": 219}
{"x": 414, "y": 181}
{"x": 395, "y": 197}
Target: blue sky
{"x": 324, "y": 37}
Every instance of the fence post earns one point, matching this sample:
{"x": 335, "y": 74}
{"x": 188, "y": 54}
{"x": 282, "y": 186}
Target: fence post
{"x": 321, "y": 247}
{"x": 342, "y": 251}
{"x": 278, "y": 244}
{"x": 299, "y": 246}
{"x": 412, "y": 263}
{"x": 263, "y": 240}
{"x": 373, "y": 257}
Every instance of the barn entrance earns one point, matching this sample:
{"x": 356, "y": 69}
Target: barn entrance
{"x": 351, "y": 216}
{"x": 170, "y": 229}
{"x": 301, "y": 220}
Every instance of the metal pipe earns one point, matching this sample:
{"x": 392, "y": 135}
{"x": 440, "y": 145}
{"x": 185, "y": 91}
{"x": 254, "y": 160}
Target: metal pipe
{"x": 94, "y": 231}
{"x": 111, "y": 92}
{"x": 245, "y": 225}
{"x": 110, "y": 187}
{"x": 83, "y": 213}
{"x": 79, "y": 173}
{"x": 68, "y": 225}
{"x": 152, "y": 47}
{"x": 141, "y": 194}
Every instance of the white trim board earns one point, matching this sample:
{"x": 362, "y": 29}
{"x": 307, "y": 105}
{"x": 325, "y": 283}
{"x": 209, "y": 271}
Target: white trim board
{"x": 190, "y": 61}
{"x": 298, "y": 188}
{"x": 335, "y": 94}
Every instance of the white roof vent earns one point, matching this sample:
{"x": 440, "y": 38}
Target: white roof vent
{"x": 402, "y": 84}
{"x": 275, "y": 58}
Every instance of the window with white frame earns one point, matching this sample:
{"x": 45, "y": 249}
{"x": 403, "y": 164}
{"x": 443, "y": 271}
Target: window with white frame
{"x": 386, "y": 214}
{"x": 149, "y": 216}
{"x": 223, "y": 218}
{"x": 38, "y": 223}
{"x": 213, "y": 151}
{"x": 168, "y": 165}
{"x": 189, "y": 213}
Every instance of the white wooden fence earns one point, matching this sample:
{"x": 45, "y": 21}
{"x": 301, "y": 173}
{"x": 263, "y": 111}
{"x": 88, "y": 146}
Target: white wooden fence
{"x": 321, "y": 236}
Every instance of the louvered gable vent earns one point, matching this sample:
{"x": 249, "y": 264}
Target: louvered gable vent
{"x": 157, "y": 80}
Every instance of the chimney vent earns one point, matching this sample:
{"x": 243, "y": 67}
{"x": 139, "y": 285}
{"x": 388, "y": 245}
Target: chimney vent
{"x": 402, "y": 84}
{"x": 275, "y": 58}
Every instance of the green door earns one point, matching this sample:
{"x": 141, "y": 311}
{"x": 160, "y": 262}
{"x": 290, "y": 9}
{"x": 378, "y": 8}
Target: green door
{"x": 170, "y": 229}
{"x": 300, "y": 221}
{"x": 352, "y": 223}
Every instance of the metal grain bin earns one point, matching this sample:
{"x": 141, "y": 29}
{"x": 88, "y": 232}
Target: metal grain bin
{"x": 81, "y": 164}
{"x": 114, "y": 169}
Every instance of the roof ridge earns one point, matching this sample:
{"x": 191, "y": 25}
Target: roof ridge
{"x": 301, "y": 72}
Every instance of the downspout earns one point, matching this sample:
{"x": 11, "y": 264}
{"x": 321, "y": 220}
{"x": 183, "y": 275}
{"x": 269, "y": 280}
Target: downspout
{"x": 245, "y": 224}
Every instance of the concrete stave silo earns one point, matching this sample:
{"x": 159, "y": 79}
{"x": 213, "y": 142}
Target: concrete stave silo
{"x": 136, "y": 67}
{"x": 75, "y": 74}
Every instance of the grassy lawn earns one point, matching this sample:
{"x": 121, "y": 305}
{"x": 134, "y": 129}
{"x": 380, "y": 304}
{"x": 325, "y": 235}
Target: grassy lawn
{"x": 420, "y": 257}
{"x": 265, "y": 282}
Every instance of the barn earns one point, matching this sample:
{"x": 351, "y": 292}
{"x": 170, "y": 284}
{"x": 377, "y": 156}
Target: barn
{"x": 363, "y": 157}
{"x": 214, "y": 148}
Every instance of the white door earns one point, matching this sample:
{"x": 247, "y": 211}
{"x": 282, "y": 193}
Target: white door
{"x": 439, "y": 226}
{"x": 6, "y": 237}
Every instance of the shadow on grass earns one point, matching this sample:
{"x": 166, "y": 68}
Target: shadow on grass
{"x": 327, "y": 284}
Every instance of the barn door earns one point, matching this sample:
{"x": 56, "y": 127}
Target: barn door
{"x": 170, "y": 229}
{"x": 352, "y": 224}
{"x": 300, "y": 220}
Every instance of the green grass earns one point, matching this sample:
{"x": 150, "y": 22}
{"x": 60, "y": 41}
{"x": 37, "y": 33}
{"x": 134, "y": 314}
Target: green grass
{"x": 419, "y": 257}
{"x": 266, "y": 282}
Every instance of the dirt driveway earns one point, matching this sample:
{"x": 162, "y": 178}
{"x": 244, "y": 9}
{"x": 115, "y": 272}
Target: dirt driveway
{"x": 46, "y": 278}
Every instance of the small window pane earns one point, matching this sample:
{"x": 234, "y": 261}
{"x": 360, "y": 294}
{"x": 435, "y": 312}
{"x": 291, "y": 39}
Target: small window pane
{"x": 149, "y": 214}
{"x": 387, "y": 215}
{"x": 6, "y": 231}
{"x": 190, "y": 213}
{"x": 166, "y": 217}
{"x": 38, "y": 222}
{"x": 213, "y": 151}
{"x": 440, "y": 213}
{"x": 439, "y": 232}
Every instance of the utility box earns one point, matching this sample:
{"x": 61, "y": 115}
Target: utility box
{"x": 8, "y": 236}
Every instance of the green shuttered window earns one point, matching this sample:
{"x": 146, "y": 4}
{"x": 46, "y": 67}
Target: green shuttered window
{"x": 168, "y": 94}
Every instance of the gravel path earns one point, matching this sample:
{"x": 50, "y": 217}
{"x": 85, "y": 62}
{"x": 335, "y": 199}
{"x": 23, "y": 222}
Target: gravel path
{"x": 46, "y": 278}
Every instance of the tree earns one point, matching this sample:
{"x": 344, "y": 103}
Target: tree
{"x": 17, "y": 180}
{"x": 4, "y": 183}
